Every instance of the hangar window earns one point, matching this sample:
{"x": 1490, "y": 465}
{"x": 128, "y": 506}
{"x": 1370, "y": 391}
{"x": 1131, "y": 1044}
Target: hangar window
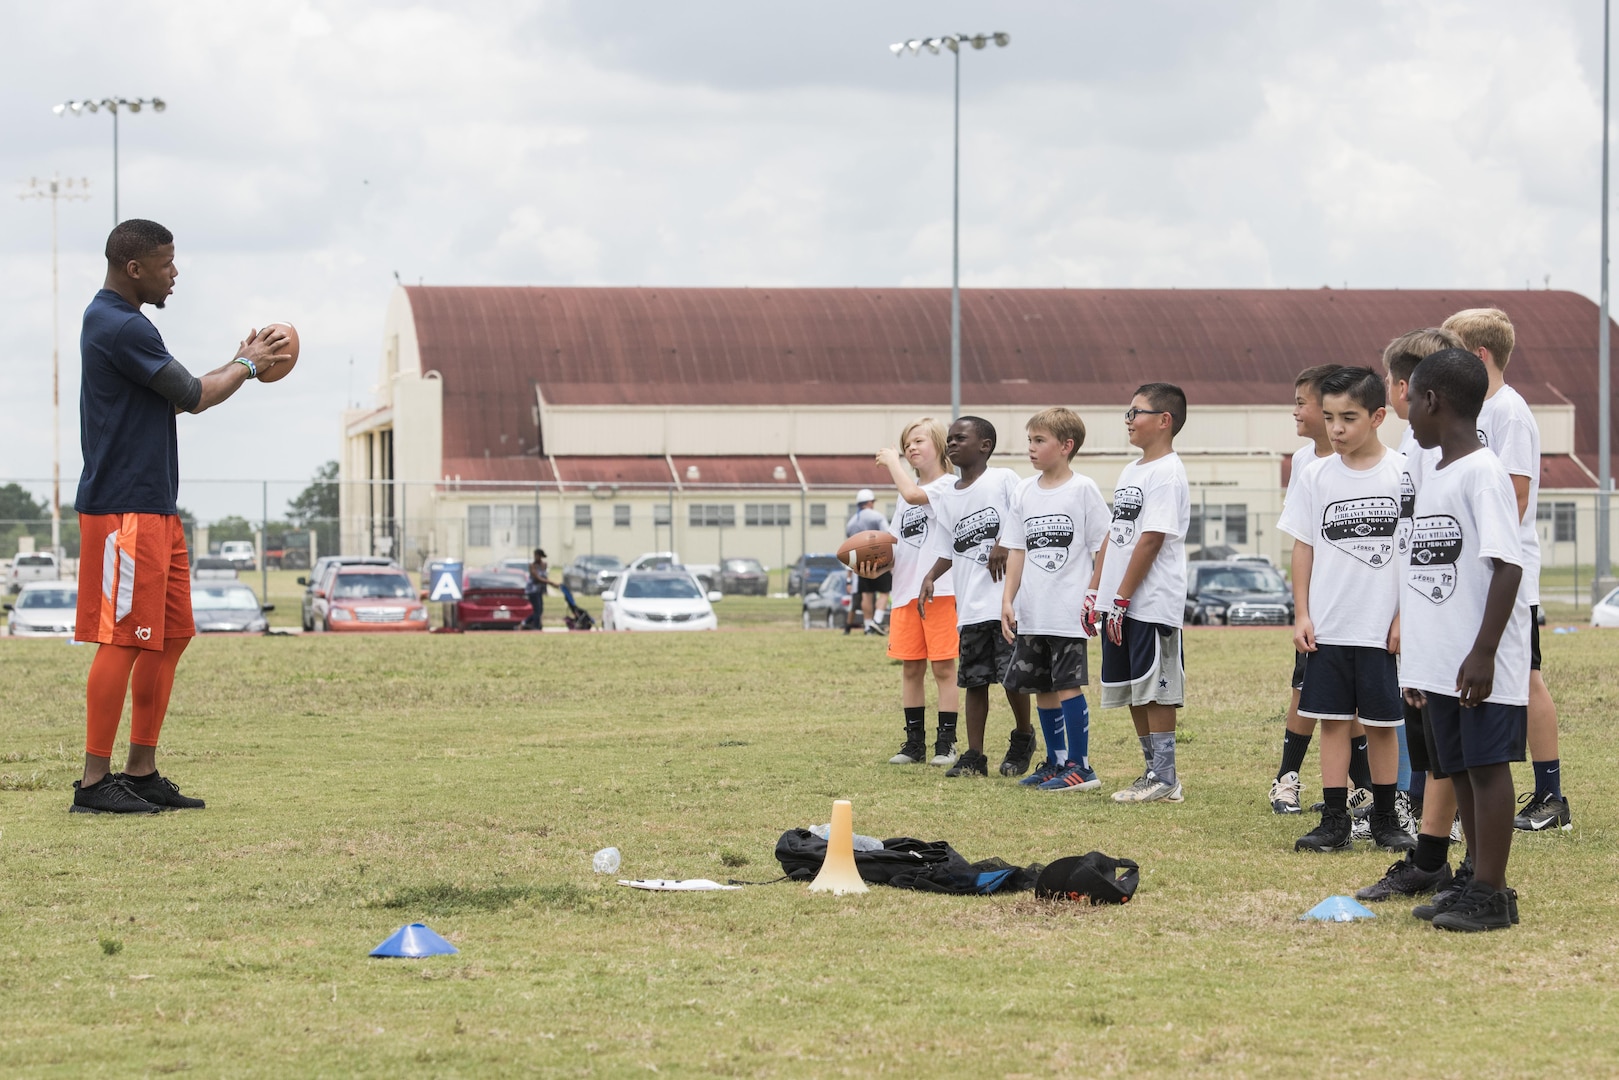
{"x": 581, "y": 515}
{"x": 477, "y": 526}
{"x": 660, "y": 514}
{"x": 528, "y": 526}
{"x": 621, "y": 516}
{"x": 711, "y": 515}
{"x": 768, "y": 514}
{"x": 818, "y": 514}
{"x": 1561, "y": 515}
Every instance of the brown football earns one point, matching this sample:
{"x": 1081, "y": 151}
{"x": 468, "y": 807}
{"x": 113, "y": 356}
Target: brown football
{"x": 283, "y": 369}
{"x": 873, "y": 546}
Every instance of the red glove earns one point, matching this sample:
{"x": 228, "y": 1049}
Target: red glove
{"x": 1115, "y": 619}
{"x": 1089, "y": 618}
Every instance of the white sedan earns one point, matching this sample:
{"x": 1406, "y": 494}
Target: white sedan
{"x": 658, "y": 600}
{"x": 43, "y": 609}
{"x": 1605, "y": 612}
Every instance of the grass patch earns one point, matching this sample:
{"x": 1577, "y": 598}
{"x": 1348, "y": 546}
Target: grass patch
{"x": 355, "y": 784}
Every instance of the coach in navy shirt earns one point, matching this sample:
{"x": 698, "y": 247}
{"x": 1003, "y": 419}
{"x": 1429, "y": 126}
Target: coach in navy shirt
{"x": 134, "y": 578}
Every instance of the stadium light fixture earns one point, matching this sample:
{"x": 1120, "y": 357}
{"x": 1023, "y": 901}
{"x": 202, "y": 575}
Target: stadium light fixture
{"x": 79, "y": 106}
{"x": 953, "y": 43}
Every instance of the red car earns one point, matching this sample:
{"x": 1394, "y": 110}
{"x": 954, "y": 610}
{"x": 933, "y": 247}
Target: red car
{"x": 493, "y": 600}
{"x": 358, "y": 598}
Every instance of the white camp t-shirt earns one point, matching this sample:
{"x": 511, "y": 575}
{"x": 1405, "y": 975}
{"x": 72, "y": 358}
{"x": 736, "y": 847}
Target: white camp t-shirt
{"x": 1303, "y": 458}
{"x": 1150, "y": 497}
{"x": 1508, "y": 428}
{"x": 1465, "y": 515}
{"x": 1349, "y": 518}
{"x": 970, "y": 522}
{"x": 913, "y": 553}
{"x": 1059, "y": 529}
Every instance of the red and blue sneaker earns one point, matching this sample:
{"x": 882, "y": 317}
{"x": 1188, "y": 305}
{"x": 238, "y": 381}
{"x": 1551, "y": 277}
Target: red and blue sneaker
{"x": 1073, "y": 777}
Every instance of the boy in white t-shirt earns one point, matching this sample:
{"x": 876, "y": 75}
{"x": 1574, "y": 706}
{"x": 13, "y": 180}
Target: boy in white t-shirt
{"x": 971, "y": 514}
{"x": 1139, "y": 586}
{"x": 1057, "y": 523}
{"x": 1508, "y": 428}
{"x": 1342, "y": 513}
{"x": 1467, "y": 626}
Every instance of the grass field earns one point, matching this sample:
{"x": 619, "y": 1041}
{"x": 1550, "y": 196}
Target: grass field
{"x": 356, "y": 784}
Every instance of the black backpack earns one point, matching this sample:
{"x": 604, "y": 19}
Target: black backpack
{"x": 1093, "y": 876}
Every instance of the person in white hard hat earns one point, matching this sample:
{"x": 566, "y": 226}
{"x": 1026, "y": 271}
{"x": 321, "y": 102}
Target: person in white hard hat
{"x": 873, "y": 591}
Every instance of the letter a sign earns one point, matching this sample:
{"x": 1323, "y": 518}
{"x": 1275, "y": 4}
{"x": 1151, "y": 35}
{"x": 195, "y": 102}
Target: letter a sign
{"x": 446, "y": 583}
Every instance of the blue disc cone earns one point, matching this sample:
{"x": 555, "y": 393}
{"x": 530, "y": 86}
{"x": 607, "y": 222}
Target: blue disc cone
{"x": 1339, "y": 909}
{"x": 415, "y": 940}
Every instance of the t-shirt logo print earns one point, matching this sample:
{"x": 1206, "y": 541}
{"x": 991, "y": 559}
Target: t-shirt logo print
{"x": 913, "y": 526}
{"x": 1126, "y": 508}
{"x": 1363, "y": 528}
{"x": 976, "y": 534}
{"x": 1408, "y": 506}
{"x": 1436, "y": 544}
{"x": 1048, "y": 539}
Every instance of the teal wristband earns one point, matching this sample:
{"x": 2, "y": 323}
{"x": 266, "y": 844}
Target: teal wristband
{"x": 252, "y": 368}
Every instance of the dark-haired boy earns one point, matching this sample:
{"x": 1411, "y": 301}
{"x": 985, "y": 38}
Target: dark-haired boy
{"x": 971, "y": 514}
{"x": 1139, "y": 588}
{"x": 1470, "y": 626}
{"x": 1342, "y": 512}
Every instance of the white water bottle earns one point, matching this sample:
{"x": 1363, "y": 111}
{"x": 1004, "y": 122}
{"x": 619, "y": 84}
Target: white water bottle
{"x": 605, "y": 861}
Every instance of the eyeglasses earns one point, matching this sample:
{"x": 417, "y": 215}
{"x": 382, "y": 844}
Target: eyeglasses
{"x": 1131, "y": 414}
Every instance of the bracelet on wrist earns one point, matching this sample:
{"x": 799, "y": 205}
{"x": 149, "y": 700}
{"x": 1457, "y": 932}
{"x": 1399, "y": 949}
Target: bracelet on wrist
{"x": 252, "y": 368}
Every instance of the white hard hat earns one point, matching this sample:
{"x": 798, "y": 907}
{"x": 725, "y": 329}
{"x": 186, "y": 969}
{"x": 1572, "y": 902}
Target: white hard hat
{"x": 865, "y": 495}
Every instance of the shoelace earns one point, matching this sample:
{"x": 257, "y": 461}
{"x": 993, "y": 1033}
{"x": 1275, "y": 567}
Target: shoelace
{"x": 1284, "y": 791}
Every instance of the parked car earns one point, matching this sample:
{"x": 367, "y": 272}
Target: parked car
{"x": 43, "y": 609}
{"x": 744, "y": 576}
{"x": 213, "y": 568}
{"x": 1605, "y": 612}
{"x": 592, "y": 573}
{"x": 652, "y": 560}
{"x": 658, "y": 600}
{"x": 809, "y": 571}
{"x": 493, "y": 600}
{"x": 228, "y": 606}
{"x": 32, "y": 566}
{"x": 311, "y": 583}
{"x": 1237, "y": 594}
{"x": 241, "y": 553}
{"x": 831, "y": 604}
{"x": 367, "y": 597}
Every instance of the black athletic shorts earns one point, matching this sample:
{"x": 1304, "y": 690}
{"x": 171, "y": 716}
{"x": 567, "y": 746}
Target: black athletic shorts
{"x": 984, "y": 657}
{"x": 1534, "y": 637}
{"x": 1491, "y": 734}
{"x": 1044, "y": 664}
{"x": 1417, "y": 742}
{"x": 882, "y": 583}
{"x": 1298, "y": 670}
{"x": 1342, "y": 682}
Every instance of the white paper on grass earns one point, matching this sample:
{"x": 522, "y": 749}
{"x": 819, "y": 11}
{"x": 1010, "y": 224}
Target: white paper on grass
{"x": 689, "y": 885}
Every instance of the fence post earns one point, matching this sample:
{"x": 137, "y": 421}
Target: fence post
{"x": 264, "y": 547}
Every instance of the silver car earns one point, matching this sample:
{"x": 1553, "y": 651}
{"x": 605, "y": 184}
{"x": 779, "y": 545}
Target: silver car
{"x": 43, "y": 609}
{"x": 227, "y": 606}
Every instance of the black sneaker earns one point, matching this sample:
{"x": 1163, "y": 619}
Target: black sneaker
{"x": 1541, "y": 814}
{"x": 1389, "y": 834}
{"x": 1405, "y": 878}
{"x": 1331, "y": 835}
{"x": 1445, "y": 897}
{"x": 969, "y": 764}
{"x": 161, "y": 792}
{"x": 1019, "y": 750}
{"x": 109, "y": 795}
{"x": 914, "y": 752}
{"x": 1479, "y": 907}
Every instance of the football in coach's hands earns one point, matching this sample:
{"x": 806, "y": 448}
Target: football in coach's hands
{"x": 873, "y": 546}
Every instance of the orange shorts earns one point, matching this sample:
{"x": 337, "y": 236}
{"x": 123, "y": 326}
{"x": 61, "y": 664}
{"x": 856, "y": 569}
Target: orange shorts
{"x": 134, "y": 580}
{"x": 911, "y": 637}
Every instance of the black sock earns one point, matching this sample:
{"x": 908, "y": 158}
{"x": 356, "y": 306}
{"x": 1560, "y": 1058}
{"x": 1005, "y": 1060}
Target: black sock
{"x": 947, "y": 722}
{"x": 1360, "y": 770}
{"x": 915, "y": 716}
{"x": 1336, "y": 798}
{"x": 1431, "y": 853}
{"x": 1294, "y": 747}
{"x": 1383, "y": 798}
{"x": 1548, "y": 779}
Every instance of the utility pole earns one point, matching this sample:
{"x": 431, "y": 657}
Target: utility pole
{"x": 56, "y": 189}
{"x": 1602, "y": 579}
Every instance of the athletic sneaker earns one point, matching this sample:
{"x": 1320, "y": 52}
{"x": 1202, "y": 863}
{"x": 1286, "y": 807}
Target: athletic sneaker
{"x": 160, "y": 791}
{"x": 1042, "y": 772}
{"x": 1542, "y": 814}
{"x": 944, "y": 753}
{"x": 109, "y": 795}
{"x": 1284, "y": 794}
{"x": 1331, "y": 835}
{"x": 1148, "y": 788}
{"x": 1410, "y": 820}
{"x": 1457, "y": 836}
{"x": 912, "y": 753}
{"x": 1360, "y": 801}
{"x": 1360, "y": 828}
{"x": 1073, "y": 777}
{"x": 1405, "y": 878}
{"x": 1478, "y": 908}
{"x": 1443, "y": 898}
{"x": 1387, "y": 832}
{"x": 1019, "y": 749}
{"x": 969, "y": 764}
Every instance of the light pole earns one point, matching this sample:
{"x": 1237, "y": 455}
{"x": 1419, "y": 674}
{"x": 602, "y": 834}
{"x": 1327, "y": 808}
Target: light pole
{"x": 79, "y": 107}
{"x": 953, "y": 42}
{"x": 1601, "y": 579}
{"x": 55, "y": 190}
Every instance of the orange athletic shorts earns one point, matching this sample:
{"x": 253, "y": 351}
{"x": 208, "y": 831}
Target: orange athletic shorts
{"x": 134, "y": 580}
{"x": 911, "y": 637}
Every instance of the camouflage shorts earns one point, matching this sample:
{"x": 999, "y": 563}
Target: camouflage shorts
{"x": 1044, "y": 664}
{"x": 985, "y": 653}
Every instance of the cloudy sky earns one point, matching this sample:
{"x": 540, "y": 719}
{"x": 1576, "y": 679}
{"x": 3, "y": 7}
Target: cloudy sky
{"x": 312, "y": 150}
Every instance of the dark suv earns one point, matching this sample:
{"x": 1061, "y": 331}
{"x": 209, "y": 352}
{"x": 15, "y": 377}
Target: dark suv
{"x": 809, "y": 571}
{"x": 1237, "y": 594}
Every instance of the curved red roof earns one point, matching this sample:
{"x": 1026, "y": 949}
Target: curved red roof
{"x": 659, "y": 346}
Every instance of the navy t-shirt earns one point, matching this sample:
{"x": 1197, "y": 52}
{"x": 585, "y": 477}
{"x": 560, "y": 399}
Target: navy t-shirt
{"x": 126, "y": 430}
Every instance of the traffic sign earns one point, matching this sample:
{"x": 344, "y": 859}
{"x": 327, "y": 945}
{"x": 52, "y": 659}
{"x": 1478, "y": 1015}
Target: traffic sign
{"x": 446, "y": 583}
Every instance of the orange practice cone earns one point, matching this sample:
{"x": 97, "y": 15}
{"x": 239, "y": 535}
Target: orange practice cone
{"x": 838, "y": 874}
